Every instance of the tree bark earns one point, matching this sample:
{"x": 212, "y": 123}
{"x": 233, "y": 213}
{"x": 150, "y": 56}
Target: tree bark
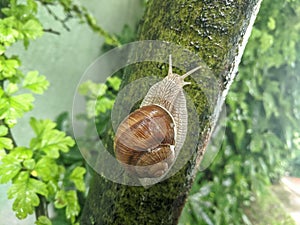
{"x": 217, "y": 31}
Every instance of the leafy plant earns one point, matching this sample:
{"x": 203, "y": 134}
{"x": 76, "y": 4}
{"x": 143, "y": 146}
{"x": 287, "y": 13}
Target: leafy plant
{"x": 45, "y": 172}
{"x": 100, "y": 98}
{"x": 261, "y": 125}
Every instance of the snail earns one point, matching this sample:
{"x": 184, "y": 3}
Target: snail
{"x": 148, "y": 140}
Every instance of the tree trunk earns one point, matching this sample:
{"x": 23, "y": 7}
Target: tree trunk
{"x": 217, "y": 31}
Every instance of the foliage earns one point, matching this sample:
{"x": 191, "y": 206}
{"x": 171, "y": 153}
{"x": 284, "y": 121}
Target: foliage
{"x": 100, "y": 98}
{"x": 259, "y": 212}
{"x": 294, "y": 167}
{"x": 263, "y": 112}
{"x": 46, "y": 170}
{"x": 261, "y": 125}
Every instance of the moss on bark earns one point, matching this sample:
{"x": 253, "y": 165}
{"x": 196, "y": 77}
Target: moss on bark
{"x": 216, "y": 32}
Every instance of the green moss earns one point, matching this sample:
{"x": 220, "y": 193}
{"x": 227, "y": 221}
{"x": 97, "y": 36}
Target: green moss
{"x": 212, "y": 30}
{"x": 208, "y": 28}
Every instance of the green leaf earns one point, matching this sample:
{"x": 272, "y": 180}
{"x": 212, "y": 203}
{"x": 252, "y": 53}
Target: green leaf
{"x": 266, "y": 41}
{"x": 77, "y": 176}
{"x": 41, "y": 126}
{"x": 46, "y": 169}
{"x": 48, "y": 139}
{"x": 257, "y": 143}
{"x": 9, "y": 168}
{"x": 3, "y": 130}
{"x": 52, "y": 187}
{"x": 104, "y": 104}
{"x": 36, "y": 83}
{"x": 2, "y": 49}
{"x": 43, "y": 220}
{"x": 73, "y": 208}
{"x": 29, "y": 164}
{"x": 269, "y": 105}
{"x": 91, "y": 109}
{"x": 21, "y": 153}
{"x": 25, "y": 191}
{"x": 2, "y": 154}
{"x": 8, "y": 67}
{"x": 69, "y": 200}
{"x": 92, "y": 89}
{"x": 31, "y": 30}
{"x": 271, "y": 23}
{"x": 32, "y": 5}
{"x": 11, "y": 89}
{"x": 14, "y": 107}
{"x": 114, "y": 82}
{"x": 60, "y": 199}
{"x": 239, "y": 131}
{"x": 8, "y": 34}
{"x": 6, "y": 143}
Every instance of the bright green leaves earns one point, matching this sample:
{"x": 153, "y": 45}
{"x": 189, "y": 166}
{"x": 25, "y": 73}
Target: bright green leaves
{"x": 48, "y": 139}
{"x": 43, "y": 220}
{"x": 77, "y": 176}
{"x": 20, "y": 24}
{"x": 36, "y": 172}
{"x": 99, "y": 97}
{"x": 19, "y": 104}
{"x": 68, "y": 199}
{"x": 46, "y": 169}
{"x": 51, "y": 142}
{"x": 271, "y": 23}
{"x": 8, "y": 67}
{"x": 25, "y": 191}
{"x": 8, "y": 33}
{"x": 92, "y": 89}
{"x": 114, "y": 82}
{"x": 35, "y": 82}
{"x": 12, "y": 163}
{"x": 31, "y": 30}
{"x": 5, "y": 143}
{"x": 9, "y": 168}
{"x": 13, "y": 107}
{"x": 102, "y": 105}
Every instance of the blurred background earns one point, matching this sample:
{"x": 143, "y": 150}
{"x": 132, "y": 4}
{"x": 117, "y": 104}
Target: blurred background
{"x": 255, "y": 176}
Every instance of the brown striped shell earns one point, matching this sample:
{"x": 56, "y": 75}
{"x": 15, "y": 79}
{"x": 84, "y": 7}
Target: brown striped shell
{"x": 145, "y": 137}
{"x": 148, "y": 140}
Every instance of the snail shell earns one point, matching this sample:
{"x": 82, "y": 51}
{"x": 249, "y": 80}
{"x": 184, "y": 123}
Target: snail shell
{"x": 149, "y": 139}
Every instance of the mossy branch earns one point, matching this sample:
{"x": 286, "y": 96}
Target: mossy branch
{"x": 217, "y": 31}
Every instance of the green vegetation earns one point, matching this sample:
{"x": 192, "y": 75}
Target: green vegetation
{"x": 262, "y": 129}
{"x": 262, "y": 136}
{"x": 50, "y": 170}
{"x": 259, "y": 212}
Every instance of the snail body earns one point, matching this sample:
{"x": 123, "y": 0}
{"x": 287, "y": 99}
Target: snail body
{"x": 148, "y": 140}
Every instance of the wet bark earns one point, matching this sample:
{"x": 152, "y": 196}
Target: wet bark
{"x": 217, "y": 32}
